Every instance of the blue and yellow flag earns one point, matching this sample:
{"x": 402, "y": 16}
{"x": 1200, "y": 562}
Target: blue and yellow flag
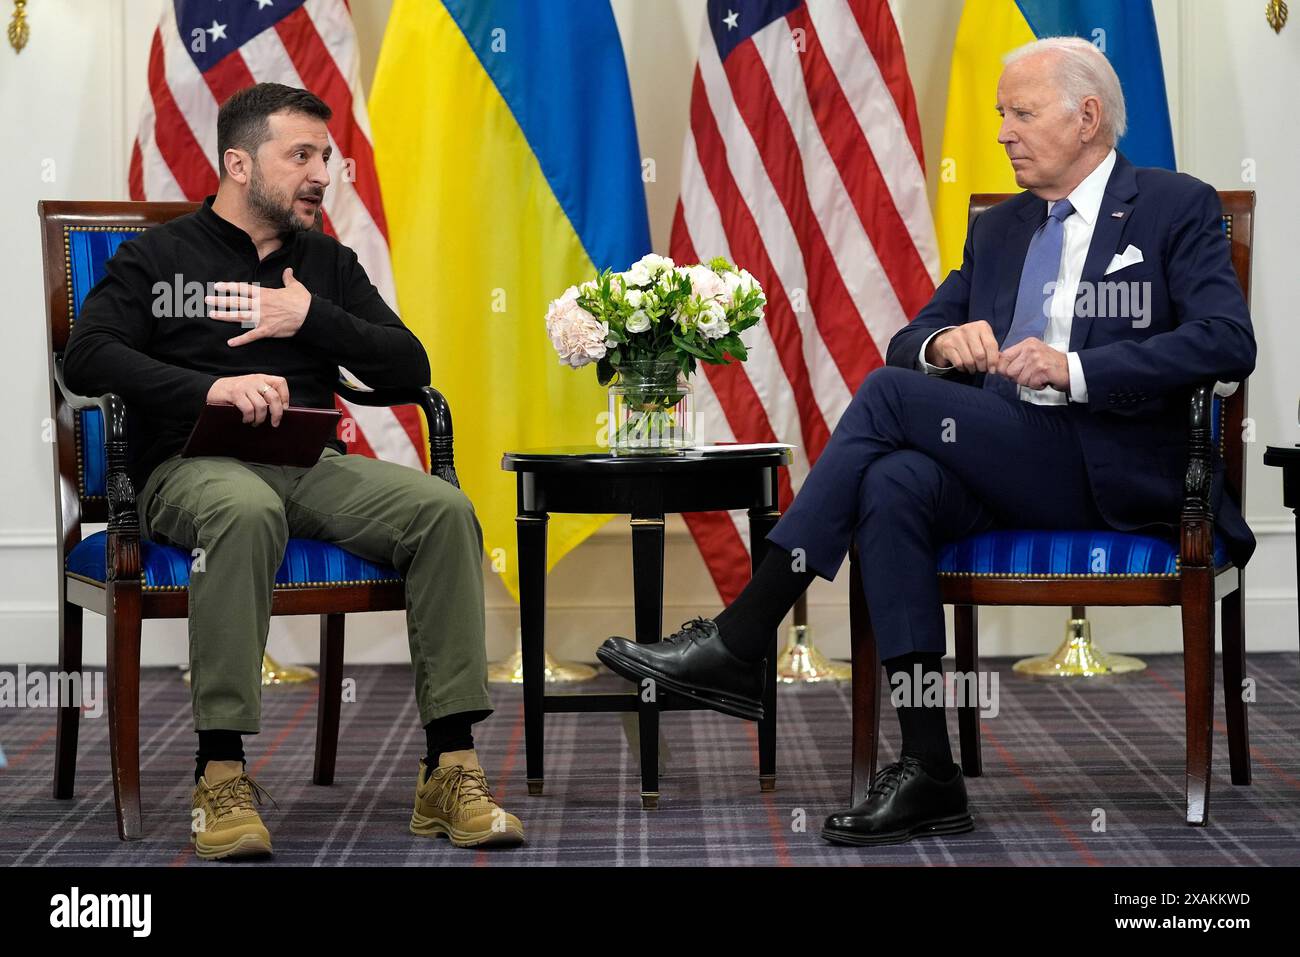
{"x": 973, "y": 161}
{"x": 507, "y": 155}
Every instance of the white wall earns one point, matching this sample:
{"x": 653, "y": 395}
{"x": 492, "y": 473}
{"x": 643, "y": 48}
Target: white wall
{"x": 73, "y": 95}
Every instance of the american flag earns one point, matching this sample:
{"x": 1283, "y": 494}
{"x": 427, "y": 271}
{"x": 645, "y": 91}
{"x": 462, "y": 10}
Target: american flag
{"x": 205, "y": 50}
{"x": 804, "y": 165}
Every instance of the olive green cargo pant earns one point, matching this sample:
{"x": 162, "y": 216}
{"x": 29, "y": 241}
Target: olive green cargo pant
{"x": 242, "y": 514}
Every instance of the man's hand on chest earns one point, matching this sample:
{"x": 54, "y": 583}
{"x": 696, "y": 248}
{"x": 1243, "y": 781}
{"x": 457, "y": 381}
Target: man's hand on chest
{"x": 276, "y": 313}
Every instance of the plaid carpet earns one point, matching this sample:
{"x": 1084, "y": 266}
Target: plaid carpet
{"x": 1057, "y": 758}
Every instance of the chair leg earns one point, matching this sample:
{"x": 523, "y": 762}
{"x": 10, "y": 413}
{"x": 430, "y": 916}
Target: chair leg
{"x": 329, "y": 704}
{"x": 1233, "y": 628}
{"x": 69, "y": 718}
{"x": 966, "y": 640}
{"x": 123, "y": 673}
{"x": 866, "y": 686}
{"x": 1198, "y": 675}
{"x": 1233, "y": 612}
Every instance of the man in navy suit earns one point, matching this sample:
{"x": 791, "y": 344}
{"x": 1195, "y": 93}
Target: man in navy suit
{"x": 1044, "y": 386}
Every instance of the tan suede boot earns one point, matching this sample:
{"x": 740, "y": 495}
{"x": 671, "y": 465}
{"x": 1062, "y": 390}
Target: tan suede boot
{"x": 225, "y": 822}
{"x": 455, "y": 800}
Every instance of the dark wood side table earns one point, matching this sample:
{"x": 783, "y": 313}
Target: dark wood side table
{"x": 646, "y": 487}
{"x": 1287, "y": 458}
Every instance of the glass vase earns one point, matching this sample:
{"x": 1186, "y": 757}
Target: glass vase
{"x": 651, "y": 410}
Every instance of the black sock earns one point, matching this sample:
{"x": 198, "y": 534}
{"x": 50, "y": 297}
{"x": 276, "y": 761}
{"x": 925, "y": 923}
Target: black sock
{"x": 924, "y": 728}
{"x": 449, "y": 733}
{"x": 746, "y": 625}
{"x": 217, "y": 746}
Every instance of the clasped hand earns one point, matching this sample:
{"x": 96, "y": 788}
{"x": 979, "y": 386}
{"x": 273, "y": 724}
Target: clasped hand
{"x": 972, "y": 348}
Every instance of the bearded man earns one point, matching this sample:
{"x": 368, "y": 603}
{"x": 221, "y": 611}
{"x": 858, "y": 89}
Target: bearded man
{"x": 311, "y": 308}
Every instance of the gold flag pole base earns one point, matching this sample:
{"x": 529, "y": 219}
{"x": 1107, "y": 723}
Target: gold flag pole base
{"x": 274, "y": 673}
{"x": 802, "y": 663}
{"x": 1078, "y": 657}
{"x": 511, "y": 670}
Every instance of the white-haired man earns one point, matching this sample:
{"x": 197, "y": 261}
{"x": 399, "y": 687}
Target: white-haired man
{"x": 1005, "y": 403}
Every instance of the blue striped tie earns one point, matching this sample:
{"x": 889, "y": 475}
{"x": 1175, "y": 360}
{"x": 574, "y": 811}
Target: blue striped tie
{"x": 1033, "y": 301}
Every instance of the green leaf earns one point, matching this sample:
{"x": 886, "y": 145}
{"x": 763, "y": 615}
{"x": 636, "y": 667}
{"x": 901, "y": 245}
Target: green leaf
{"x": 689, "y": 347}
{"x": 604, "y": 371}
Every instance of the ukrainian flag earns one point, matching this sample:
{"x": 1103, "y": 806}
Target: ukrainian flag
{"x": 507, "y": 155}
{"x": 972, "y": 160}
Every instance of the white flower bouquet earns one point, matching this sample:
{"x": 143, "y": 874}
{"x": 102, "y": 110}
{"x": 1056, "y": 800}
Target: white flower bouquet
{"x": 648, "y": 326}
{"x": 656, "y": 312}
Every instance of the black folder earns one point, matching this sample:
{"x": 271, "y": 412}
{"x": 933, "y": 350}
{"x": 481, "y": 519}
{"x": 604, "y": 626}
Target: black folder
{"x": 298, "y": 440}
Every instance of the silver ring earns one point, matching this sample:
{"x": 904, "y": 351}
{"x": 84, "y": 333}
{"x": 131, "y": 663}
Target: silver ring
{"x": 264, "y": 390}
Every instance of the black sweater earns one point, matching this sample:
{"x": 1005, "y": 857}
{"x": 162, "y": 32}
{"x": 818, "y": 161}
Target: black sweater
{"x": 163, "y": 366}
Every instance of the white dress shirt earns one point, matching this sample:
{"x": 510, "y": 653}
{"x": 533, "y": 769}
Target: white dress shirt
{"x": 1078, "y": 226}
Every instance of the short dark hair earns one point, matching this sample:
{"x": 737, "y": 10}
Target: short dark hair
{"x": 242, "y": 122}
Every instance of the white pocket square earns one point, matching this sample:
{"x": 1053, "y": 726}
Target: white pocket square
{"x": 1129, "y": 257}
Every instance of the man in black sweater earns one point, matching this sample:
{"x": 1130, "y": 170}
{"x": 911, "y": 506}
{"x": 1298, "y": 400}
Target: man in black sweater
{"x": 243, "y": 303}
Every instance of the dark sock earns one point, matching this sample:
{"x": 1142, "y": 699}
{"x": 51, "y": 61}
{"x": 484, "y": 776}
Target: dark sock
{"x": 217, "y": 746}
{"x": 746, "y": 625}
{"x": 450, "y": 733}
{"x": 925, "y": 729}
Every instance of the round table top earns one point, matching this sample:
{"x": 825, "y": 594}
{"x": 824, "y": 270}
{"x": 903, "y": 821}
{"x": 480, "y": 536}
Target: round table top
{"x": 586, "y": 458}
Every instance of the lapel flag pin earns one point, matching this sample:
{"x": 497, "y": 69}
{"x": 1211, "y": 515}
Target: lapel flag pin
{"x": 1117, "y": 215}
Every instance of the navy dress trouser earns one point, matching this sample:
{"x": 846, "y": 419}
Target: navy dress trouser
{"x": 917, "y": 461}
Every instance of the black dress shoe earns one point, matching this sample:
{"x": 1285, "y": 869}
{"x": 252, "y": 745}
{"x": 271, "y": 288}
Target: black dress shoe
{"x": 904, "y": 802}
{"x": 693, "y": 663}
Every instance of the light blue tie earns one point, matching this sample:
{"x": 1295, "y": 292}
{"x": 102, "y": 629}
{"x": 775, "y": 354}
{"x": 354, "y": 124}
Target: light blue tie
{"x": 1042, "y": 266}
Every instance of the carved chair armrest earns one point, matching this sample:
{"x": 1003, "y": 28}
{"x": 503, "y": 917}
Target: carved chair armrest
{"x": 1197, "y": 522}
{"x": 123, "y": 546}
{"x": 437, "y": 415}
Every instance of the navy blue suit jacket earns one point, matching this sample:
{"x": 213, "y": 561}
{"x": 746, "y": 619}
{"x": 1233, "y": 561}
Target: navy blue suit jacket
{"x": 1196, "y": 329}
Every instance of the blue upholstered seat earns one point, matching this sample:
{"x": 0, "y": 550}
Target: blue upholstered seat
{"x": 1012, "y": 553}
{"x": 1036, "y": 553}
{"x": 307, "y": 563}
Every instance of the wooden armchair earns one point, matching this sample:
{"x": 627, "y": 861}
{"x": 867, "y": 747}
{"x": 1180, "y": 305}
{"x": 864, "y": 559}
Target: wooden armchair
{"x": 987, "y": 569}
{"x": 117, "y": 574}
